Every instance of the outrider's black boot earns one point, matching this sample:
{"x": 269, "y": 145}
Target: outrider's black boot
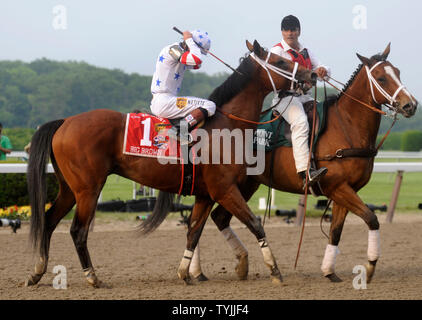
{"x": 314, "y": 176}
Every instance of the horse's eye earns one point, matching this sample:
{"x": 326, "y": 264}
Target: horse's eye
{"x": 382, "y": 79}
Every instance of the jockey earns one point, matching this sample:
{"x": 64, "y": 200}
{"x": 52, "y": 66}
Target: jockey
{"x": 290, "y": 106}
{"x": 172, "y": 62}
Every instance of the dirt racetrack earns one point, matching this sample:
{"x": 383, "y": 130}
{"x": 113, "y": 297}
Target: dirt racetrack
{"x": 145, "y": 268}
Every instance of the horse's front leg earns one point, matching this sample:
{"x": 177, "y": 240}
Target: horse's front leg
{"x": 328, "y": 263}
{"x": 196, "y": 224}
{"x": 346, "y": 197}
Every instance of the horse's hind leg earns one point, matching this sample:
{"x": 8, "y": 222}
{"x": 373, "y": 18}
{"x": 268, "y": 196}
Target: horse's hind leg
{"x": 233, "y": 201}
{"x": 196, "y": 224}
{"x": 63, "y": 204}
{"x": 328, "y": 263}
{"x": 222, "y": 218}
{"x": 347, "y": 197}
{"x": 85, "y": 210}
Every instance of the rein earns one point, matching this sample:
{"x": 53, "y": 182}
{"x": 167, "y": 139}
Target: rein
{"x": 264, "y": 64}
{"x": 307, "y": 177}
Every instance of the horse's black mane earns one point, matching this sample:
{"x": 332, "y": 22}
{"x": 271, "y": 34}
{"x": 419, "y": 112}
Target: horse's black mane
{"x": 374, "y": 58}
{"x": 234, "y": 83}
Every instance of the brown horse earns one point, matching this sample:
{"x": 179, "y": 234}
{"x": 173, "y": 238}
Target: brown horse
{"x": 347, "y": 148}
{"x": 86, "y": 148}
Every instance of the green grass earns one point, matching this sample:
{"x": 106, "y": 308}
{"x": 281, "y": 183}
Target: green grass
{"x": 378, "y": 192}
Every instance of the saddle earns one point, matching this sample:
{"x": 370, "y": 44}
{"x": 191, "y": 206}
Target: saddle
{"x": 278, "y": 133}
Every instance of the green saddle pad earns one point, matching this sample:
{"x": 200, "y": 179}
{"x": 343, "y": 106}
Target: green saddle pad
{"x": 267, "y": 133}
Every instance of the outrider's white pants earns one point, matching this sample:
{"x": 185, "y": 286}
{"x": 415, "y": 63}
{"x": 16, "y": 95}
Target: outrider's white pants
{"x": 292, "y": 111}
{"x": 169, "y": 106}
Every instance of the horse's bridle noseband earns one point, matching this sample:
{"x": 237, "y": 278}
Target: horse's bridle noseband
{"x": 286, "y": 74}
{"x": 373, "y": 83}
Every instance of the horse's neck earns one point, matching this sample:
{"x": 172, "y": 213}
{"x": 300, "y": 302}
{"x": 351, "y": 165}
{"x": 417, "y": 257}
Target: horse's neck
{"x": 248, "y": 103}
{"x": 360, "y": 123}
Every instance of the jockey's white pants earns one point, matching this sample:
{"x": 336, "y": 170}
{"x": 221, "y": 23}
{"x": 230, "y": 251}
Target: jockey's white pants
{"x": 169, "y": 106}
{"x": 292, "y": 111}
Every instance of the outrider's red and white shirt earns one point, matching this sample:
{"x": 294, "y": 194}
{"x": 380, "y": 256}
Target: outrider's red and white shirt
{"x": 169, "y": 72}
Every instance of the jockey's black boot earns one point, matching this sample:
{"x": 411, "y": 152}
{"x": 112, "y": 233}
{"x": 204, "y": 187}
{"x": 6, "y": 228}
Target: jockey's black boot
{"x": 314, "y": 176}
{"x": 193, "y": 119}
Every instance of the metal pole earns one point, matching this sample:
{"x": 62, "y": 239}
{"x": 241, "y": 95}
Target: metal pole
{"x": 300, "y": 212}
{"x": 394, "y": 197}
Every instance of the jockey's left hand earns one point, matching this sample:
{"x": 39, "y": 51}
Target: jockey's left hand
{"x": 321, "y": 72}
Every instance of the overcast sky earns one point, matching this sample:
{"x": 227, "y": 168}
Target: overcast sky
{"x": 129, "y": 34}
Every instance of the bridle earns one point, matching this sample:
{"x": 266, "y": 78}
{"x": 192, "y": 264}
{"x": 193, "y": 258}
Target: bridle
{"x": 373, "y": 83}
{"x": 267, "y": 67}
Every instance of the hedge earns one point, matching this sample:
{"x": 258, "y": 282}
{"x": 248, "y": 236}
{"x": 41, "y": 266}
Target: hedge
{"x": 411, "y": 140}
{"x": 13, "y": 189}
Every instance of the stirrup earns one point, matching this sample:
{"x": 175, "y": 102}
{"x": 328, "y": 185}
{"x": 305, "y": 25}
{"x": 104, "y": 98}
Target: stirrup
{"x": 174, "y": 133}
{"x": 315, "y": 176}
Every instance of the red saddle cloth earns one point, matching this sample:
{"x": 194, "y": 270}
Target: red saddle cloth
{"x": 146, "y": 136}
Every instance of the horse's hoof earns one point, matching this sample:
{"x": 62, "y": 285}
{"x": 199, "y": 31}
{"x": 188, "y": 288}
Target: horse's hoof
{"x": 277, "y": 280}
{"x": 370, "y": 270}
{"x": 188, "y": 281}
{"x": 242, "y": 268}
{"x": 276, "y": 277}
{"x": 333, "y": 278}
{"x": 200, "y": 278}
{"x": 100, "y": 285}
{"x": 32, "y": 280}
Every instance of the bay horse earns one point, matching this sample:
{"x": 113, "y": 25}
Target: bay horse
{"x": 347, "y": 148}
{"x": 86, "y": 148}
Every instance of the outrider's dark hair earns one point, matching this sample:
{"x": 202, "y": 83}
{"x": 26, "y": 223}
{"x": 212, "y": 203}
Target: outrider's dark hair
{"x": 290, "y": 23}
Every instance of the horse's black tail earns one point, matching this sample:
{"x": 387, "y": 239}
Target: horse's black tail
{"x": 36, "y": 179}
{"x": 161, "y": 209}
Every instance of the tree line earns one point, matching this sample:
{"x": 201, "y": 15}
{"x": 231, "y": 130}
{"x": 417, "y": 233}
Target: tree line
{"x": 44, "y": 90}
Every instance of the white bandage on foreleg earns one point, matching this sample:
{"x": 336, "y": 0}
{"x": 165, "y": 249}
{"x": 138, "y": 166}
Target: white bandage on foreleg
{"x": 195, "y": 265}
{"x": 234, "y": 242}
{"x": 374, "y": 248}
{"x": 329, "y": 261}
{"x": 187, "y": 257}
{"x": 266, "y": 252}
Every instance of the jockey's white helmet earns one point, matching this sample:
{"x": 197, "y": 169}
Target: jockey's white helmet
{"x": 202, "y": 39}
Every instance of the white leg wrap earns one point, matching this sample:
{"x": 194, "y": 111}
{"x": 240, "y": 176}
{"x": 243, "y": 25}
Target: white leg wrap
{"x": 329, "y": 261}
{"x": 195, "y": 265}
{"x": 374, "y": 249}
{"x": 187, "y": 257}
{"x": 234, "y": 242}
{"x": 266, "y": 252}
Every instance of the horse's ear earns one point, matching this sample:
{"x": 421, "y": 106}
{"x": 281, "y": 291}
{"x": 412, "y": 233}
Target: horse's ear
{"x": 249, "y": 46}
{"x": 257, "y": 49}
{"x": 364, "y": 60}
{"x": 386, "y": 52}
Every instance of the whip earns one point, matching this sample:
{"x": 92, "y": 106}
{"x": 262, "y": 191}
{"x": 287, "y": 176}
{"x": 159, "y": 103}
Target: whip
{"x": 213, "y": 55}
